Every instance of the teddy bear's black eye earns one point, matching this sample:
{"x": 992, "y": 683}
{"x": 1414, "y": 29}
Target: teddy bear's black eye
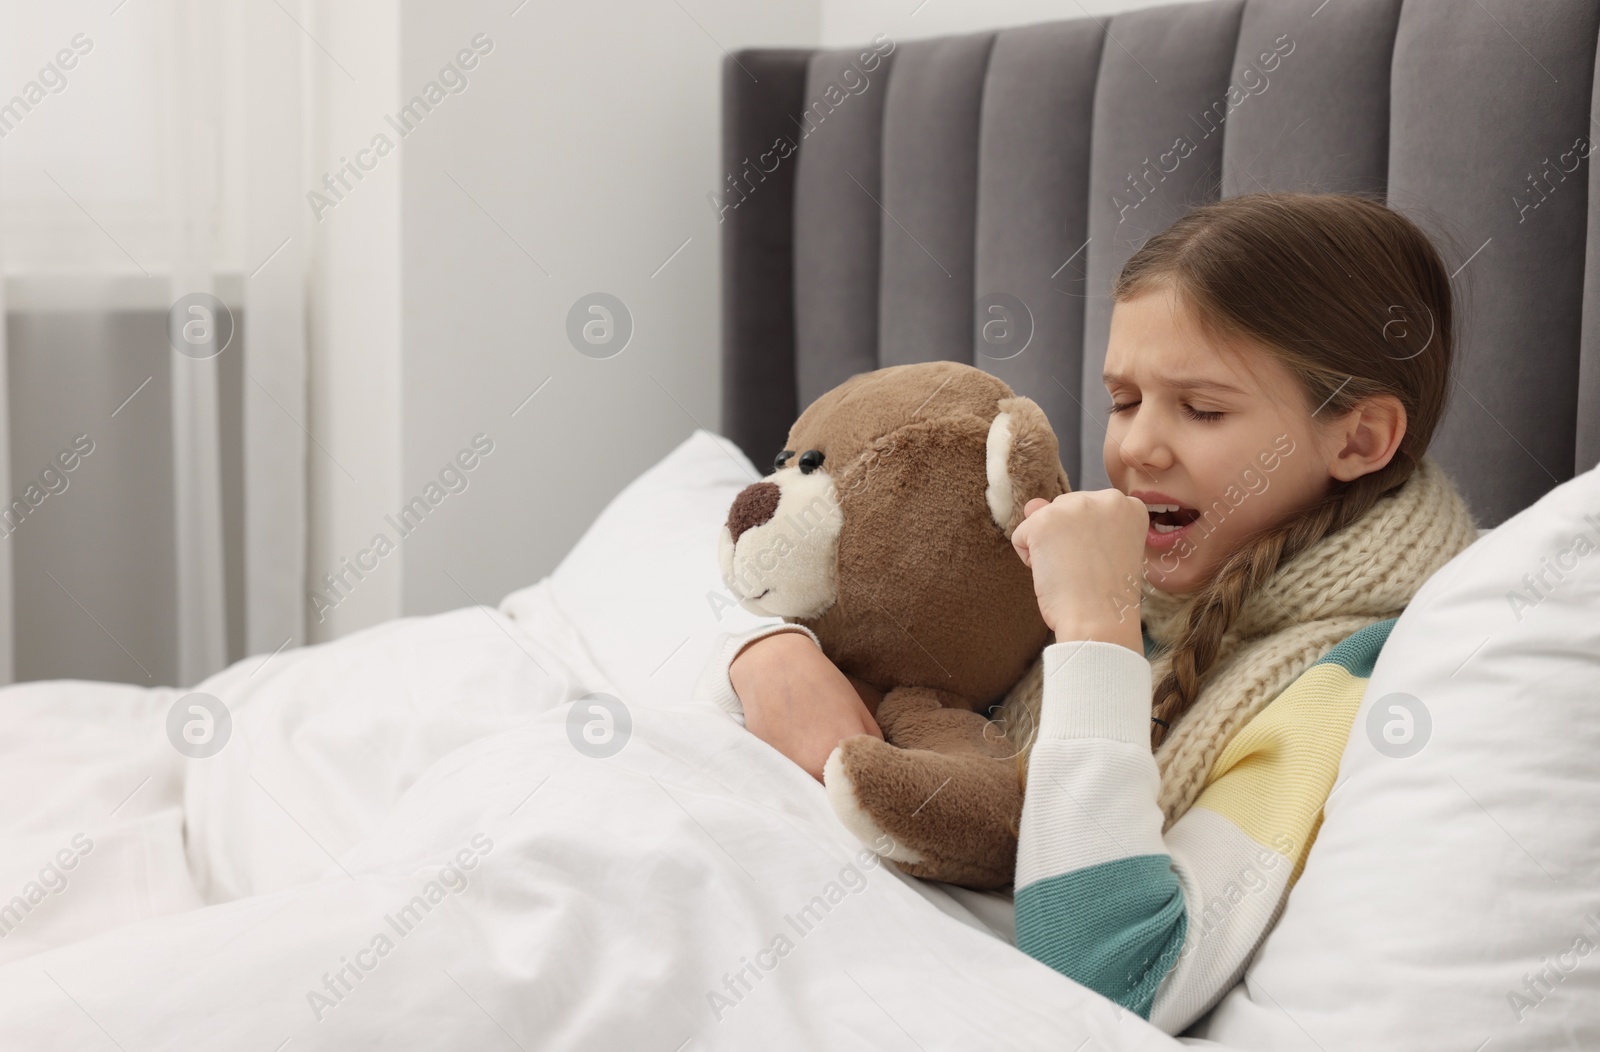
{"x": 810, "y": 461}
{"x": 781, "y": 459}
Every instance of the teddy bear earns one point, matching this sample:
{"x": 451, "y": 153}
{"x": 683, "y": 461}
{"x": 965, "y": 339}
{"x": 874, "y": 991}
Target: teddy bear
{"x": 885, "y": 528}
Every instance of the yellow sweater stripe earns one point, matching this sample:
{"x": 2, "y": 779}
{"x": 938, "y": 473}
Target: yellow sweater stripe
{"x": 1273, "y": 778}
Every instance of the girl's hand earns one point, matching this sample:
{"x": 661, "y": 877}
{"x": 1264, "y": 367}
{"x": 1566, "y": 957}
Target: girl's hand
{"x": 1086, "y": 551}
{"x": 797, "y": 701}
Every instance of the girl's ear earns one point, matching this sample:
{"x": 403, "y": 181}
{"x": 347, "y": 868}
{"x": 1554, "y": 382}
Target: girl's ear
{"x": 1023, "y": 460}
{"x": 1369, "y": 436}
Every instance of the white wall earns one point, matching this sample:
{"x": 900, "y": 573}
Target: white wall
{"x": 577, "y": 160}
{"x": 353, "y": 465}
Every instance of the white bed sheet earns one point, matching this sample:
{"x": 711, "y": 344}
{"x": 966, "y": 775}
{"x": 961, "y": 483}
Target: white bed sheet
{"x": 609, "y": 904}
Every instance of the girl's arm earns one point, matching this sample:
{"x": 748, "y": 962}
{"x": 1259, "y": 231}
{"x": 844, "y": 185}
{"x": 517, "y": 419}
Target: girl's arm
{"x": 777, "y": 680}
{"x": 1165, "y": 925}
{"x": 716, "y": 681}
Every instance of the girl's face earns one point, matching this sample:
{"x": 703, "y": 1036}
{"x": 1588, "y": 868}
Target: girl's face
{"x": 1218, "y": 442}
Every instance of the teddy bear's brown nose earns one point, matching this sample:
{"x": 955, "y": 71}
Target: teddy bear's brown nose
{"x": 754, "y": 505}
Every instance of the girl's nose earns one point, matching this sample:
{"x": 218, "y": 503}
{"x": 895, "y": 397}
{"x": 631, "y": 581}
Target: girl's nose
{"x": 1143, "y": 446}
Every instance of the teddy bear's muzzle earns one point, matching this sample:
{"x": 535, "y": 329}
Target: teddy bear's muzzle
{"x": 780, "y": 544}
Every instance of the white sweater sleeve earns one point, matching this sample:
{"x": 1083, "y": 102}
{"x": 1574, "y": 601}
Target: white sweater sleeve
{"x": 714, "y": 685}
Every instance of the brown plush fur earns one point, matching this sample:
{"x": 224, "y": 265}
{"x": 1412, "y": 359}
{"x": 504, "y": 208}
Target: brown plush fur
{"x": 932, "y": 606}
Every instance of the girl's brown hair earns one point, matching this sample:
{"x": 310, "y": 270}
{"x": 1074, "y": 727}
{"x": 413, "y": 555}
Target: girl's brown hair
{"x": 1349, "y": 294}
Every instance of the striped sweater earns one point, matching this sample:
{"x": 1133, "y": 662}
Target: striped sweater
{"x": 1165, "y": 924}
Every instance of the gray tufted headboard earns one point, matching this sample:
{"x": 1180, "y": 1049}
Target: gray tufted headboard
{"x": 877, "y": 201}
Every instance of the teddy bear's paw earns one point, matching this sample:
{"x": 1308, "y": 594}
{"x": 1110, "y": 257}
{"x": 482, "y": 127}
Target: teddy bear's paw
{"x": 924, "y": 718}
{"x": 906, "y": 712}
{"x": 938, "y": 816}
{"x": 842, "y": 796}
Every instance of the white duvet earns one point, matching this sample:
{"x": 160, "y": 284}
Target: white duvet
{"x": 400, "y": 846}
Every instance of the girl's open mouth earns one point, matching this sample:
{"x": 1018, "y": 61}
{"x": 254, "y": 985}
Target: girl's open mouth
{"x": 1168, "y": 522}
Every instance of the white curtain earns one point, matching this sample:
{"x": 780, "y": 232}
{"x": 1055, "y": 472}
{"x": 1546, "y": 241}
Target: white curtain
{"x": 157, "y": 153}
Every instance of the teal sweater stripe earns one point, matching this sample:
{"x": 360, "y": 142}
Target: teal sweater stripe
{"x": 1358, "y": 652}
{"x": 1116, "y": 928}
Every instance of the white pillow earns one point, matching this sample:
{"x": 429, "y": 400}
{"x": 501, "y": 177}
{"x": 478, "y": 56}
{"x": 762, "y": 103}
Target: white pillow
{"x": 1451, "y": 900}
{"x": 642, "y": 586}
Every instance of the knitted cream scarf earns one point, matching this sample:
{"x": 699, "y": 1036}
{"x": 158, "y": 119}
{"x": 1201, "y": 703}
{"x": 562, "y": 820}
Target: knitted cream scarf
{"x": 1360, "y": 575}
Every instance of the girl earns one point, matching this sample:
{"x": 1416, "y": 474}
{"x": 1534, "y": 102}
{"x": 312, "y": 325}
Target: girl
{"x": 1276, "y": 366}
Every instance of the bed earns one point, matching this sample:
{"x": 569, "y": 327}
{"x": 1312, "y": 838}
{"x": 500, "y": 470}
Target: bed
{"x": 518, "y": 827}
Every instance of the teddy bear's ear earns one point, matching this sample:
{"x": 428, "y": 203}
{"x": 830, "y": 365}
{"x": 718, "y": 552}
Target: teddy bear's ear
{"x": 1023, "y": 461}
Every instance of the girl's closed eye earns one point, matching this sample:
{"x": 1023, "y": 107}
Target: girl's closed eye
{"x": 1188, "y": 410}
